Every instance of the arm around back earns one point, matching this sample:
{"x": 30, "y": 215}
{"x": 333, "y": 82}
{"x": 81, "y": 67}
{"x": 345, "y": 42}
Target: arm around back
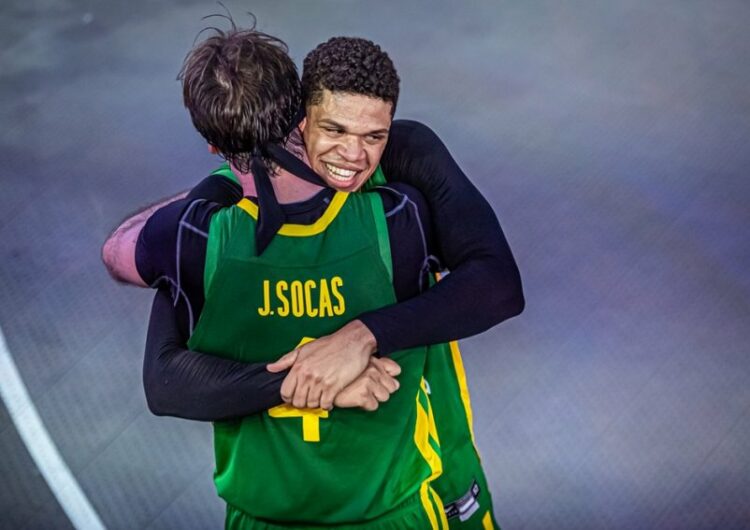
{"x": 484, "y": 287}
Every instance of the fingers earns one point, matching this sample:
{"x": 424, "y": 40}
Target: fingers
{"x": 380, "y": 392}
{"x": 378, "y": 387}
{"x": 389, "y": 383}
{"x": 326, "y": 399}
{"x": 299, "y": 400}
{"x": 389, "y": 366}
{"x": 314, "y": 398}
{"x": 386, "y": 367}
{"x": 374, "y": 386}
{"x": 328, "y": 394}
{"x": 318, "y": 375}
{"x": 284, "y": 362}
{"x": 288, "y": 386}
{"x": 370, "y": 404}
{"x": 313, "y": 390}
{"x": 304, "y": 389}
{"x": 381, "y": 376}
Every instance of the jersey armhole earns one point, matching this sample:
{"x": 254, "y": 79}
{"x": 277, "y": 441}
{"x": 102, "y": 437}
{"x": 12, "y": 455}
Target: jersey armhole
{"x": 377, "y": 179}
{"x": 212, "y": 254}
{"x": 381, "y": 228}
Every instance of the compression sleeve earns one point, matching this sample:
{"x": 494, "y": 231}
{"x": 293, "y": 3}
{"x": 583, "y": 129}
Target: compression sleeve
{"x": 196, "y": 386}
{"x": 484, "y": 287}
{"x": 218, "y": 189}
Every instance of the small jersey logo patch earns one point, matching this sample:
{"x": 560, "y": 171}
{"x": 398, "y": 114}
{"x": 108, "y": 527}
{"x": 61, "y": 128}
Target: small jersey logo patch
{"x": 466, "y": 506}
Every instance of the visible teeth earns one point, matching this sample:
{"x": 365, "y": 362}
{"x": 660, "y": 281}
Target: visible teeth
{"x": 341, "y": 174}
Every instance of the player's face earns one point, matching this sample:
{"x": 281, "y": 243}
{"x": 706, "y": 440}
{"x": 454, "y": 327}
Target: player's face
{"x": 345, "y": 135}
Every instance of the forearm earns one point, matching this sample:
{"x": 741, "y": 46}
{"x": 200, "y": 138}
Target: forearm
{"x": 195, "y": 386}
{"x": 118, "y": 251}
{"x": 470, "y": 300}
{"x": 192, "y": 385}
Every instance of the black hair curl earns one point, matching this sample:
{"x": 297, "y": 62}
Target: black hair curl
{"x": 349, "y": 64}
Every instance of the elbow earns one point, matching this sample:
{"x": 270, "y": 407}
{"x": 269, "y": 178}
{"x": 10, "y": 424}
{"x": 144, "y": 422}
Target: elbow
{"x": 157, "y": 407}
{"x": 118, "y": 257}
{"x": 508, "y": 306}
{"x": 109, "y": 257}
{"x": 510, "y": 301}
{"x": 156, "y": 396}
{"x": 516, "y": 301}
{"x": 517, "y": 304}
{"x": 154, "y": 406}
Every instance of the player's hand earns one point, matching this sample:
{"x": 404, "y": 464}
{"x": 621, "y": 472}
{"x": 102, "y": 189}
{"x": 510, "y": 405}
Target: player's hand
{"x": 373, "y": 387}
{"x": 320, "y": 369}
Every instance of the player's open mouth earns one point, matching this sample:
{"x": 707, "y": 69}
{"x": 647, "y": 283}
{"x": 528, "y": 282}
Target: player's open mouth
{"x": 340, "y": 174}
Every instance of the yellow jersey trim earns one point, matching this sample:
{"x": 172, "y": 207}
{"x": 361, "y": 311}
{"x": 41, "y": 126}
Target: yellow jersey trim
{"x": 440, "y": 508}
{"x": 295, "y": 230}
{"x": 423, "y": 427}
{"x": 422, "y": 434}
{"x": 458, "y": 365}
{"x": 428, "y": 506}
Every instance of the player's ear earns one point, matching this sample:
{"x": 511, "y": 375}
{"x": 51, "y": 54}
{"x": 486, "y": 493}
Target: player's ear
{"x": 212, "y": 149}
{"x": 302, "y": 124}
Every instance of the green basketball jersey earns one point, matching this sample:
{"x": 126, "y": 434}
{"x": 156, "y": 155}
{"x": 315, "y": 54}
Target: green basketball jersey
{"x": 463, "y": 485}
{"x": 290, "y": 465}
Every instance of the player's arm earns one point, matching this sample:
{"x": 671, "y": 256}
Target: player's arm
{"x": 179, "y": 382}
{"x": 484, "y": 286}
{"x": 483, "y": 289}
{"x": 119, "y": 250}
{"x": 192, "y": 385}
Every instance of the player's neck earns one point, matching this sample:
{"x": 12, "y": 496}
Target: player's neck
{"x": 288, "y": 187}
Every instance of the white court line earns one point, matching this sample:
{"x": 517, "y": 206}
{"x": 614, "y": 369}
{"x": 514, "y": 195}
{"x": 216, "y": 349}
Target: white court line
{"x": 41, "y": 447}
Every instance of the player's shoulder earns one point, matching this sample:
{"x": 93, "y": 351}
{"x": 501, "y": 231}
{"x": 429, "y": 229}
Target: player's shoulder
{"x": 396, "y": 196}
{"x": 413, "y": 134}
{"x": 193, "y": 215}
{"x": 175, "y": 237}
{"x": 214, "y": 218}
{"x": 411, "y": 126}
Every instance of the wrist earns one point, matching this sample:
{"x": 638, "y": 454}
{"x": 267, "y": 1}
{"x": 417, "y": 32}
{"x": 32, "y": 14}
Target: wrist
{"x": 361, "y": 334}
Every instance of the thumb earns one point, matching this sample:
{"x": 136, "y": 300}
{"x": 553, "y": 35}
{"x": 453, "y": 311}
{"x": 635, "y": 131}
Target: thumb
{"x": 284, "y": 363}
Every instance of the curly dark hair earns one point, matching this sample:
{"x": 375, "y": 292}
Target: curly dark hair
{"x": 349, "y": 64}
{"x": 242, "y": 91}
